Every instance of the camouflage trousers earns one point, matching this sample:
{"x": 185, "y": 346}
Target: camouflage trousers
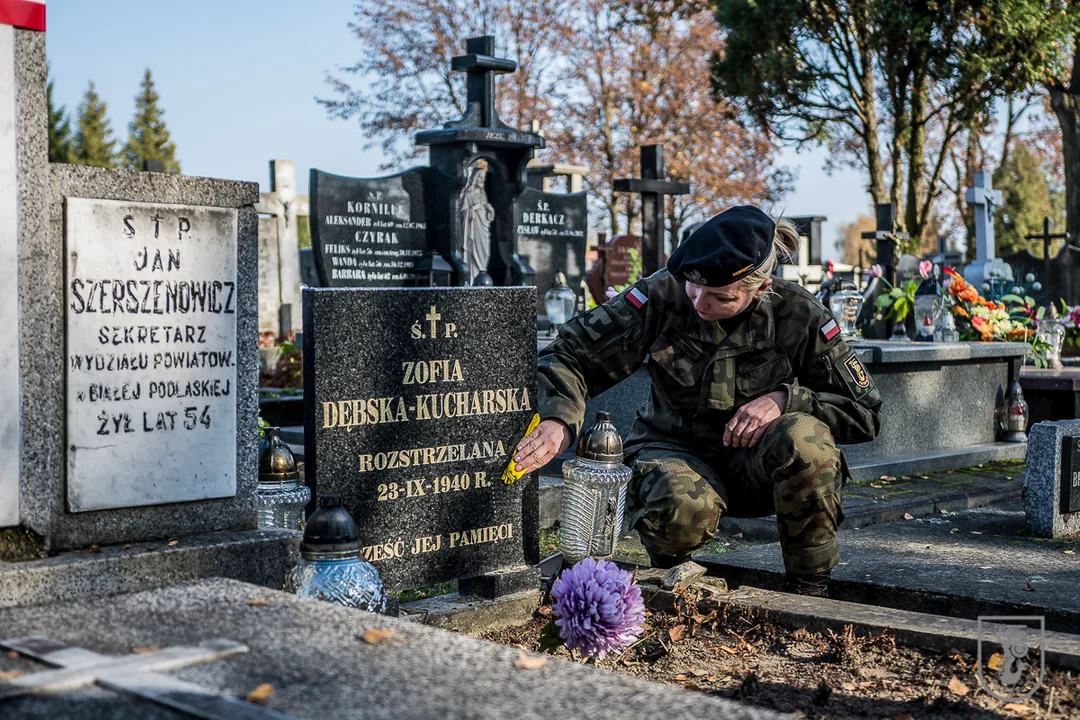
{"x": 676, "y": 498}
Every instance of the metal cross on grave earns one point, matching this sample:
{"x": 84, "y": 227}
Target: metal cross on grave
{"x": 1047, "y": 237}
{"x": 77, "y": 667}
{"x": 653, "y": 187}
{"x": 481, "y": 68}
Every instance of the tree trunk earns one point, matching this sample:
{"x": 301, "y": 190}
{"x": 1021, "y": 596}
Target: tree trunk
{"x": 916, "y": 152}
{"x": 1065, "y": 100}
{"x": 870, "y": 131}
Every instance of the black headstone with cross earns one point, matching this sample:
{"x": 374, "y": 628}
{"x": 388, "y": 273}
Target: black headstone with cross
{"x": 481, "y": 135}
{"x": 885, "y": 236}
{"x": 653, "y": 188}
{"x": 1047, "y": 239}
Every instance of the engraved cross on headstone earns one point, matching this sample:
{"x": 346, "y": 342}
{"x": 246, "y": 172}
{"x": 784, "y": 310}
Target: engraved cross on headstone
{"x": 77, "y": 667}
{"x": 481, "y": 67}
{"x": 653, "y": 187}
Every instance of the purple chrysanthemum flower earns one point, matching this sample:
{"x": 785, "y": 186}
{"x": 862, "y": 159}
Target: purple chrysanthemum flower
{"x": 598, "y": 608}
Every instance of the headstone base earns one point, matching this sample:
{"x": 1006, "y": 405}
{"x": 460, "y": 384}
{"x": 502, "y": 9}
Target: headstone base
{"x": 1043, "y": 497}
{"x": 979, "y": 272}
{"x": 508, "y": 581}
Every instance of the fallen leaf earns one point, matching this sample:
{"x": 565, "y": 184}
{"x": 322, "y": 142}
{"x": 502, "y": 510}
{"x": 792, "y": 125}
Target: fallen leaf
{"x": 698, "y": 672}
{"x": 1009, "y": 477}
{"x": 145, "y": 649}
{"x": 126, "y": 547}
{"x": 976, "y": 532}
{"x": 681, "y": 678}
{"x": 1020, "y": 709}
{"x": 677, "y": 633}
{"x": 865, "y": 684}
{"x": 909, "y": 516}
{"x": 93, "y": 549}
{"x": 874, "y": 485}
{"x": 711, "y": 678}
{"x": 372, "y": 636}
{"x": 13, "y": 654}
{"x": 738, "y": 536}
{"x": 1070, "y": 552}
{"x": 544, "y": 610}
{"x": 849, "y": 686}
{"x": 954, "y": 531}
{"x": 728, "y": 650}
{"x": 173, "y": 542}
{"x": 994, "y": 663}
{"x": 957, "y": 687}
{"x": 526, "y": 662}
{"x": 258, "y": 603}
{"x": 692, "y": 686}
{"x": 1027, "y": 586}
{"x": 261, "y": 694}
{"x": 10, "y": 674}
{"x": 903, "y": 716}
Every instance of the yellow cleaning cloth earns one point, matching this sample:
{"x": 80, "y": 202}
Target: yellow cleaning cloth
{"x": 510, "y": 474}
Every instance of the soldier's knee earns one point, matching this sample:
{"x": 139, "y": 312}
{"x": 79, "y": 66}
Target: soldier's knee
{"x": 677, "y": 510}
{"x": 803, "y": 457}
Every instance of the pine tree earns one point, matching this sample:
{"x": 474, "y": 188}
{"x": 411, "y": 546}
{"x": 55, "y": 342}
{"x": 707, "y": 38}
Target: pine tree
{"x": 148, "y": 138}
{"x": 94, "y": 144}
{"x": 1026, "y": 200}
{"x": 60, "y": 149}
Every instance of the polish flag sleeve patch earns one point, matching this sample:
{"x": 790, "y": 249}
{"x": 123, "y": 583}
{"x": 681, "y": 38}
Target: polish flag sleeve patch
{"x": 830, "y": 330}
{"x": 638, "y": 298}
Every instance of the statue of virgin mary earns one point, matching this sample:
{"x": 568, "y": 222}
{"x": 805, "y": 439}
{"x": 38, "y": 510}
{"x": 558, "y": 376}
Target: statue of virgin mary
{"x": 478, "y": 215}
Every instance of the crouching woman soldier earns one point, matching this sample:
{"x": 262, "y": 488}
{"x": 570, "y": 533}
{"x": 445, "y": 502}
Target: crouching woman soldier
{"x": 752, "y": 387}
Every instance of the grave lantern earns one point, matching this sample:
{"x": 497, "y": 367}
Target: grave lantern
{"x": 1052, "y": 332}
{"x": 594, "y": 498}
{"x": 280, "y": 496}
{"x": 845, "y": 305}
{"x": 330, "y": 567}
{"x": 559, "y": 301}
{"x": 434, "y": 267}
{"x": 1012, "y": 415}
{"x": 928, "y": 306}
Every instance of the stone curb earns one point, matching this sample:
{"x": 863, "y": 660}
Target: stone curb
{"x": 260, "y": 557}
{"x": 937, "y": 633}
{"x": 471, "y": 615}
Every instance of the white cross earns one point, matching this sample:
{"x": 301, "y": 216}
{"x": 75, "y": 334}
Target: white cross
{"x": 77, "y": 667}
{"x": 984, "y": 198}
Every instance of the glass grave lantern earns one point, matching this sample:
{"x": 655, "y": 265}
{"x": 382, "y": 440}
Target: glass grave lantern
{"x": 594, "y": 497}
{"x": 928, "y": 307}
{"x": 1052, "y": 332}
{"x": 280, "y": 498}
{"x": 330, "y": 567}
{"x": 845, "y": 305}
{"x": 435, "y": 270}
{"x": 1012, "y": 415}
{"x": 559, "y": 301}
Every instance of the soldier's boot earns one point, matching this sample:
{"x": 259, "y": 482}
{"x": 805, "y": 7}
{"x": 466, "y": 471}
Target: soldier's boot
{"x": 666, "y": 562}
{"x": 810, "y": 585}
{"x": 801, "y": 458}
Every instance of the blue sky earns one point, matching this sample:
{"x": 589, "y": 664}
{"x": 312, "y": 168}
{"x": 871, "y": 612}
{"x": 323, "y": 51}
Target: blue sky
{"x": 238, "y": 78}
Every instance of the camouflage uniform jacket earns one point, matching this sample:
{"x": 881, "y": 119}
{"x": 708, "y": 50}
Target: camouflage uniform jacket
{"x": 701, "y": 374}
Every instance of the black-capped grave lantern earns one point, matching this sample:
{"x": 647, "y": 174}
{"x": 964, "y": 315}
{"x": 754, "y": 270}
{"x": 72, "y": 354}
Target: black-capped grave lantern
{"x": 435, "y": 269}
{"x": 1012, "y": 415}
{"x": 594, "y": 497}
{"x": 279, "y": 496}
{"x": 330, "y": 567}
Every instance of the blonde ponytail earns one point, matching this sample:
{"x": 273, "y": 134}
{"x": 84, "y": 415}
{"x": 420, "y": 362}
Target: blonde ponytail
{"x": 785, "y": 245}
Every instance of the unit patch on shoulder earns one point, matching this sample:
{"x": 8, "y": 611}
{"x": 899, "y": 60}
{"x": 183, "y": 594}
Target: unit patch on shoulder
{"x": 637, "y": 298}
{"x": 830, "y": 330}
{"x": 858, "y": 373}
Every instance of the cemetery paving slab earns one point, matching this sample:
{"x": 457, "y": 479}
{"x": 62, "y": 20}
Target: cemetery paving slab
{"x": 310, "y": 652}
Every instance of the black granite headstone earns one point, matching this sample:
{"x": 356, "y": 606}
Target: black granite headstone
{"x": 414, "y": 402}
{"x": 368, "y": 232}
{"x": 551, "y": 229}
{"x": 308, "y": 274}
{"x": 1070, "y": 474}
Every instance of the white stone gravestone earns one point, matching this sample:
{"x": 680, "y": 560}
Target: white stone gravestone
{"x": 21, "y": 168}
{"x": 151, "y": 353}
{"x": 984, "y": 198}
{"x": 279, "y": 247}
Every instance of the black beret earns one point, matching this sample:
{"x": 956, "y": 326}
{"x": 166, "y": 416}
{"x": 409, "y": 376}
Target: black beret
{"x": 728, "y": 247}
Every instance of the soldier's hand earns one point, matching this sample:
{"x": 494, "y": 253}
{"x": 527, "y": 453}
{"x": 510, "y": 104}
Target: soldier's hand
{"x": 550, "y": 438}
{"x": 751, "y": 421}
